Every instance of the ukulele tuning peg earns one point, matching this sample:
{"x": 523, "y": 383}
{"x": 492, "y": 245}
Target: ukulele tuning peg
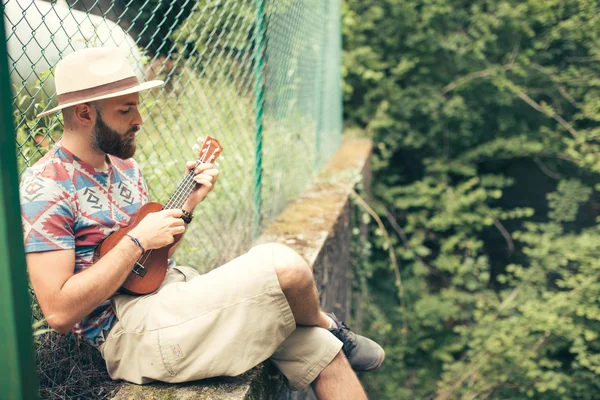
{"x": 217, "y": 163}
{"x": 196, "y": 147}
{"x": 200, "y": 139}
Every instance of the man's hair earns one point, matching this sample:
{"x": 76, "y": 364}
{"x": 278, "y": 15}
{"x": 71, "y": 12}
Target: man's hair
{"x": 68, "y": 114}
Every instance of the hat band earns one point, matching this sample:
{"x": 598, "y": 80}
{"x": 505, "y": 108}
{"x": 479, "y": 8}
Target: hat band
{"x": 96, "y": 91}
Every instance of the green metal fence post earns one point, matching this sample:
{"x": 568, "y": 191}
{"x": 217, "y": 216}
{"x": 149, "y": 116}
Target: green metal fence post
{"x": 319, "y": 92}
{"x": 259, "y": 103}
{"x": 338, "y": 87}
{"x": 18, "y": 379}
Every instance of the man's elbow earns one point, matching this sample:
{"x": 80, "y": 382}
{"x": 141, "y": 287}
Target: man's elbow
{"x": 59, "y": 324}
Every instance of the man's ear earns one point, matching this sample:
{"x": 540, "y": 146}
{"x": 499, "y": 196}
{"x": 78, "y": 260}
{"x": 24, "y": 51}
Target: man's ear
{"x": 85, "y": 114}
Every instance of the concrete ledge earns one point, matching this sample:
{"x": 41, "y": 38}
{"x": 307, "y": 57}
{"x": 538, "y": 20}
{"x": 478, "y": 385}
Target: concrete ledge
{"x": 253, "y": 384}
{"x": 317, "y": 226}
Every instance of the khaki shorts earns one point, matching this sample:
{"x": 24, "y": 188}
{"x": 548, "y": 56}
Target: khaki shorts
{"x": 221, "y": 323}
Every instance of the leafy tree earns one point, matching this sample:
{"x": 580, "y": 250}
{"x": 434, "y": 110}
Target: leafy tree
{"x": 484, "y": 116}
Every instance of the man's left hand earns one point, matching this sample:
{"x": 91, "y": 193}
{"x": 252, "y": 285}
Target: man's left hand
{"x": 206, "y": 177}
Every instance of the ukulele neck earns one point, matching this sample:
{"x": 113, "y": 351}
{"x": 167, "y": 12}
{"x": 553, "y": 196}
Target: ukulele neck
{"x": 182, "y": 192}
{"x": 208, "y": 153}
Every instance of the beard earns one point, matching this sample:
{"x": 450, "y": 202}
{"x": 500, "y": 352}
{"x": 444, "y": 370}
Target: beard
{"x": 110, "y": 141}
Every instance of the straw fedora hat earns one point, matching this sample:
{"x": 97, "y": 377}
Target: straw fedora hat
{"x": 94, "y": 74}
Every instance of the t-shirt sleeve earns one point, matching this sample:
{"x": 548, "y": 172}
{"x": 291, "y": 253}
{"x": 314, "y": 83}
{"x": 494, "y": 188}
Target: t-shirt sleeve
{"x": 47, "y": 215}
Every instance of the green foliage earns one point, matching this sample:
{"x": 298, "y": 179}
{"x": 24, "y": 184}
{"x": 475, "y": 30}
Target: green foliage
{"x": 34, "y": 136}
{"x": 484, "y": 116}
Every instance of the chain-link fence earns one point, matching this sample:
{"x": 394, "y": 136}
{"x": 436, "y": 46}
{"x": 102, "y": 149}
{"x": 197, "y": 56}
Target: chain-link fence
{"x": 263, "y": 77}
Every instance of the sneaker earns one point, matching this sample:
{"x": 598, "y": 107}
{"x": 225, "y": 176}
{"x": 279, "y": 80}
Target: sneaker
{"x": 363, "y": 353}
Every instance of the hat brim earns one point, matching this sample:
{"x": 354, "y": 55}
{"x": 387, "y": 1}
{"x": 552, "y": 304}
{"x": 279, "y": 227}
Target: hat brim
{"x": 138, "y": 88}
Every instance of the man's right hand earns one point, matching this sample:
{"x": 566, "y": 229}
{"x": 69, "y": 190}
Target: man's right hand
{"x": 158, "y": 229}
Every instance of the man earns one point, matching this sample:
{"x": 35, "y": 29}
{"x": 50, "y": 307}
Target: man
{"x": 263, "y": 304}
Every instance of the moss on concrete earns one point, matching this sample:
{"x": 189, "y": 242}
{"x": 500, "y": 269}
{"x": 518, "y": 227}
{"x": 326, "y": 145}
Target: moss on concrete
{"x": 308, "y": 221}
{"x": 253, "y": 385}
{"x": 221, "y": 388}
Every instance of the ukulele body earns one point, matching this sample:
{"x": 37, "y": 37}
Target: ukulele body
{"x": 150, "y": 269}
{"x": 155, "y": 262}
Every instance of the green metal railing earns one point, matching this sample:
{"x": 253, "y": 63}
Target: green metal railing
{"x": 258, "y": 138}
{"x": 18, "y": 379}
{"x": 261, "y": 76}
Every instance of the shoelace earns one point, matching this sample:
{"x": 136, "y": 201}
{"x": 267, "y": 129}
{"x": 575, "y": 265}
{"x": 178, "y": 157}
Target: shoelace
{"x": 342, "y": 333}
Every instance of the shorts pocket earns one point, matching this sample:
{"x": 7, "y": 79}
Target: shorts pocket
{"x": 171, "y": 354}
{"x": 179, "y": 356}
{"x": 188, "y": 272}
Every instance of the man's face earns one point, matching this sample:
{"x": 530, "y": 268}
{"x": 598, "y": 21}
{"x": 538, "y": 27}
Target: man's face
{"x": 117, "y": 122}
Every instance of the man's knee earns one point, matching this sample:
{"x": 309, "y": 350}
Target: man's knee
{"x": 292, "y": 270}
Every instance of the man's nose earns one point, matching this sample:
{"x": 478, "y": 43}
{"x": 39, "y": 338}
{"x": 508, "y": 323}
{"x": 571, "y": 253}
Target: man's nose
{"x": 138, "y": 120}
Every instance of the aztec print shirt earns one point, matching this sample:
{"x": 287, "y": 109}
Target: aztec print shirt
{"x": 67, "y": 204}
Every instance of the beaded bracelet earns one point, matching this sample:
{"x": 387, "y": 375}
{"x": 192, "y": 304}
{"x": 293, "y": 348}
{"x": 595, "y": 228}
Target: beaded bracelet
{"x": 187, "y": 217}
{"x": 137, "y": 242}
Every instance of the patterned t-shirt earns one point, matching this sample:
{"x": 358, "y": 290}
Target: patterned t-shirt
{"x": 67, "y": 204}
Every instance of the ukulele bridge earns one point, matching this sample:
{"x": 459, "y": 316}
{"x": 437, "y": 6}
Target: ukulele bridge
{"x": 139, "y": 270}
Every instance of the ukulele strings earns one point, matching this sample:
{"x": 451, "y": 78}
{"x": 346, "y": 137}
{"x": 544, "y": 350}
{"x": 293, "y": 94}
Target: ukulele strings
{"x": 185, "y": 188}
{"x": 178, "y": 195}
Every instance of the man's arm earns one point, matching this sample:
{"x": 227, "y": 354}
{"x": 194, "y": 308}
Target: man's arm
{"x": 65, "y": 297}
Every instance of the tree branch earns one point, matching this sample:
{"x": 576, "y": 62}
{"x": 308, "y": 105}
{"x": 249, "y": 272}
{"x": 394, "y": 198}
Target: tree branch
{"x": 395, "y": 266}
{"x": 515, "y": 51}
{"x": 546, "y": 170}
{"x": 554, "y": 116}
{"x": 406, "y": 244}
{"x": 507, "y": 238}
{"x": 473, "y": 75}
{"x": 491, "y": 71}
{"x": 560, "y": 89}
{"x": 583, "y": 59}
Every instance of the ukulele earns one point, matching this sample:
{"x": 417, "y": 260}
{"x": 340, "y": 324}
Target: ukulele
{"x": 150, "y": 269}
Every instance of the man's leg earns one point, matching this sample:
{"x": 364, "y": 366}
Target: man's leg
{"x": 221, "y": 323}
{"x": 298, "y": 284}
{"x": 338, "y": 381}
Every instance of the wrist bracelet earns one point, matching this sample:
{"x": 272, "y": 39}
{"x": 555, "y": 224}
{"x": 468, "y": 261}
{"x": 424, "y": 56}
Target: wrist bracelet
{"x": 137, "y": 242}
{"x": 186, "y": 216}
